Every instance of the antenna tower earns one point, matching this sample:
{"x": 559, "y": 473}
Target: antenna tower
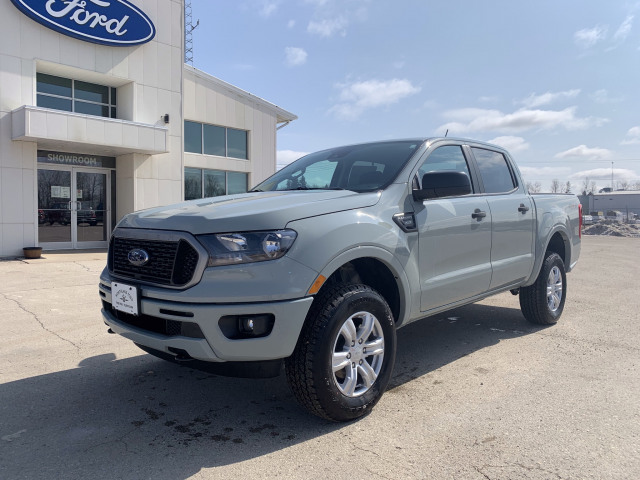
{"x": 189, "y": 27}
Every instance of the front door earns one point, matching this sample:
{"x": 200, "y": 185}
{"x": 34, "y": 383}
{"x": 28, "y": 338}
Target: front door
{"x": 73, "y": 208}
{"x": 454, "y": 238}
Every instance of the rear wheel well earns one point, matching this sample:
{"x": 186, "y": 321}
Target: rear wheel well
{"x": 371, "y": 272}
{"x": 557, "y": 245}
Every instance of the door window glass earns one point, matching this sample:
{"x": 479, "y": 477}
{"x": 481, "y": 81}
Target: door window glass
{"x": 494, "y": 170}
{"x": 448, "y": 158}
{"x": 54, "y": 206}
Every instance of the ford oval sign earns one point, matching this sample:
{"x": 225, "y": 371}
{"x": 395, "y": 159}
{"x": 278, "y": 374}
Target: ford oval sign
{"x": 107, "y": 22}
{"x": 138, "y": 257}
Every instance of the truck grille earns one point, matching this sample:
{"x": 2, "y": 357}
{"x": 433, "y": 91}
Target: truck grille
{"x": 170, "y": 262}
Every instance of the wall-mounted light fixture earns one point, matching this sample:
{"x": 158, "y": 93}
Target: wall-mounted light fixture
{"x": 165, "y": 117}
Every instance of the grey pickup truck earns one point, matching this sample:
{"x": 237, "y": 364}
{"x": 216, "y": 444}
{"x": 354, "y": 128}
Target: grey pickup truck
{"x": 320, "y": 264}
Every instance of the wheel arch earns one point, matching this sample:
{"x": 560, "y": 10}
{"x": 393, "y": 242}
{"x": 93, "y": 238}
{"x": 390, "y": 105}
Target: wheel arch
{"x": 376, "y": 268}
{"x": 558, "y": 243}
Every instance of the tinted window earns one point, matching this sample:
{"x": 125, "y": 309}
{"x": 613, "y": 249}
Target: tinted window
{"x": 214, "y": 140}
{"x": 214, "y": 183}
{"x": 236, "y": 182}
{"x": 192, "y": 137}
{"x": 56, "y": 103}
{"x": 91, "y": 109}
{"x": 236, "y": 143}
{"x": 444, "y": 159}
{"x": 53, "y": 85}
{"x": 494, "y": 170}
{"x": 192, "y": 183}
{"x": 359, "y": 168}
{"x": 91, "y": 92}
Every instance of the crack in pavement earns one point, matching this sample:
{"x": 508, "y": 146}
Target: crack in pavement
{"x": 37, "y": 319}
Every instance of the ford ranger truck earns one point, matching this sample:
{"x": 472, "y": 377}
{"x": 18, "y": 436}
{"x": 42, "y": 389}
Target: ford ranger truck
{"x": 320, "y": 264}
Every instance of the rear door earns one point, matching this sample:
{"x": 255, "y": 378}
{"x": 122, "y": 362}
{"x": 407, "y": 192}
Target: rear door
{"x": 454, "y": 237}
{"x": 512, "y": 218}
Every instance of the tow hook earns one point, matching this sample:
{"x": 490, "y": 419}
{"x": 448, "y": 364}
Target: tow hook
{"x": 180, "y": 355}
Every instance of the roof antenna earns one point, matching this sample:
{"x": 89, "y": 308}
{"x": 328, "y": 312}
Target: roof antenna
{"x": 446, "y": 133}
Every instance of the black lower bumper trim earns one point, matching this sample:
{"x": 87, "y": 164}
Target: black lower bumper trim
{"x": 261, "y": 369}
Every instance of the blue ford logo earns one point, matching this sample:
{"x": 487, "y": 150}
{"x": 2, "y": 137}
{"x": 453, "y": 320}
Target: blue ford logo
{"x": 107, "y": 22}
{"x": 138, "y": 257}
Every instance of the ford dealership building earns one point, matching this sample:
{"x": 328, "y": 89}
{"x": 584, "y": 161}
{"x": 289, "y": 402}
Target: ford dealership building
{"x": 99, "y": 116}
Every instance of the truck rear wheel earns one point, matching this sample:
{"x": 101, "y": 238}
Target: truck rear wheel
{"x": 345, "y": 354}
{"x": 542, "y": 303}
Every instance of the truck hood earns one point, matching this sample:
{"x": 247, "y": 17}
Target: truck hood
{"x": 248, "y": 211}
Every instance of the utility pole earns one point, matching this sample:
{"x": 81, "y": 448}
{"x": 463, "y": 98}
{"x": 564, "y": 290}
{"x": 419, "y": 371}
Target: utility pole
{"x": 612, "y": 176}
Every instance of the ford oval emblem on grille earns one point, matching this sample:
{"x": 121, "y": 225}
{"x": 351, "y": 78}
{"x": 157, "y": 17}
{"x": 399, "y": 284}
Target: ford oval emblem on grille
{"x": 138, "y": 257}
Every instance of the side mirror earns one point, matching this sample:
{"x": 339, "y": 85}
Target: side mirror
{"x": 443, "y": 184}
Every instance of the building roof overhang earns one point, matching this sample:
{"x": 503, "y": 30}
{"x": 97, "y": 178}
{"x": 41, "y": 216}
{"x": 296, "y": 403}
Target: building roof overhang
{"x": 282, "y": 115}
{"x": 78, "y": 133}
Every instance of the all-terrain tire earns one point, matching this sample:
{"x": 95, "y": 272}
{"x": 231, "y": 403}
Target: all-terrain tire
{"x": 344, "y": 357}
{"x": 542, "y": 302}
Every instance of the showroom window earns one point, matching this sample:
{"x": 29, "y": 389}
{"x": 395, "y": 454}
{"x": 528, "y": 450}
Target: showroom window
{"x": 215, "y": 140}
{"x": 203, "y": 183}
{"x": 75, "y": 96}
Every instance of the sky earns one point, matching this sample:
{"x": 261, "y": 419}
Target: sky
{"x": 557, "y": 83}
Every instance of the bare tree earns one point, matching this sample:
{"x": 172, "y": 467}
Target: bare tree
{"x": 588, "y": 187}
{"x": 636, "y": 186}
{"x": 555, "y": 186}
{"x": 624, "y": 184}
{"x": 533, "y": 187}
{"x": 567, "y": 187}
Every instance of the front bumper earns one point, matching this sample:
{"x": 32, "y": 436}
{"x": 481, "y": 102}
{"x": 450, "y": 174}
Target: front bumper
{"x": 215, "y": 346}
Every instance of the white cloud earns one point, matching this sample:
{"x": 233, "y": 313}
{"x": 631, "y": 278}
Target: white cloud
{"x": 624, "y": 30}
{"x": 512, "y": 144}
{"x": 285, "y": 157}
{"x": 585, "y": 153}
{"x": 268, "y": 7}
{"x": 604, "y": 174}
{"x": 329, "y": 27}
{"x": 295, "y": 56}
{"x": 602, "y": 96}
{"x": 548, "y": 172}
{"x": 482, "y": 120}
{"x": 291, "y": 23}
{"x": 358, "y": 96}
{"x": 633, "y": 136}
{"x": 588, "y": 37}
{"x": 534, "y": 100}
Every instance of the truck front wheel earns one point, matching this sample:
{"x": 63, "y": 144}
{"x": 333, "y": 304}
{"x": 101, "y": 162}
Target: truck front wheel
{"x": 542, "y": 303}
{"x": 345, "y": 354}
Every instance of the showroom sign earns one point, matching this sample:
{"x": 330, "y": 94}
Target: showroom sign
{"x": 112, "y": 22}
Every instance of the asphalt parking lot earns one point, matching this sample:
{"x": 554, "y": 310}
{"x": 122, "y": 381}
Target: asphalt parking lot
{"x": 477, "y": 393}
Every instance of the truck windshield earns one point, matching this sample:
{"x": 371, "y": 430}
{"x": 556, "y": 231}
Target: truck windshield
{"x": 361, "y": 168}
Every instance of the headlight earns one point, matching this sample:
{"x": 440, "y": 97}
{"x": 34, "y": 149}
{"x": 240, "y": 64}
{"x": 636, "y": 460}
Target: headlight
{"x": 247, "y": 247}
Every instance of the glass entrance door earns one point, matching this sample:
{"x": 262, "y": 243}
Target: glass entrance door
{"x": 92, "y": 224}
{"x": 73, "y": 208}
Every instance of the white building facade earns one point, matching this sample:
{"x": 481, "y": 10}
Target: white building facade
{"x": 99, "y": 116}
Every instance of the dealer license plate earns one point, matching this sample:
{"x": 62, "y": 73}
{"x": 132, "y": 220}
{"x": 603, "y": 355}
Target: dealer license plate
{"x": 124, "y": 298}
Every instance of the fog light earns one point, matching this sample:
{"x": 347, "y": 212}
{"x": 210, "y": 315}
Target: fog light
{"x": 247, "y": 325}
{"x": 236, "y": 327}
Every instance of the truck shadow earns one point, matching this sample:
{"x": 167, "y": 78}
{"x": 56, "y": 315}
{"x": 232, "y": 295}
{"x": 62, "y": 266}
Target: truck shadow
{"x": 141, "y": 417}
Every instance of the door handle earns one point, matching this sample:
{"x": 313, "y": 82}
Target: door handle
{"x": 478, "y": 214}
{"x": 522, "y": 208}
